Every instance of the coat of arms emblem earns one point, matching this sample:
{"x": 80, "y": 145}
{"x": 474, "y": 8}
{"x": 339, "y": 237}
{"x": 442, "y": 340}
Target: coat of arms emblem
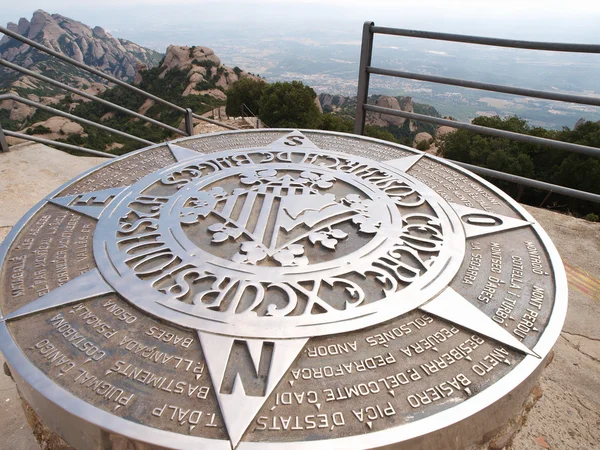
{"x": 308, "y": 238}
{"x": 275, "y": 215}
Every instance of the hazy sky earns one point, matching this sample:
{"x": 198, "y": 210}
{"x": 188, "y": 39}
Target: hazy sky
{"x": 574, "y": 21}
{"x": 278, "y": 37}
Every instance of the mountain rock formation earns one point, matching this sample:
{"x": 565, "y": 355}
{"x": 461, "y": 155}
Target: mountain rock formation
{"x": 204, "y": 73}
{"x": 384, "y": 120}
{"x": 338, "y": 104}
{"x": 92, "y": 46}
{"x": 191, "y": 77}
{"x": 331, "y": 103}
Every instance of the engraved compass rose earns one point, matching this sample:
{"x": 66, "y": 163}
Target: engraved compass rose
{"x": 264, "y": 250}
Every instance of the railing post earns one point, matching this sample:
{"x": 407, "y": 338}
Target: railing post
{"x": 366, "y": 51}
{"x": 3, "y": 143}
{"x": 189, "y": 121}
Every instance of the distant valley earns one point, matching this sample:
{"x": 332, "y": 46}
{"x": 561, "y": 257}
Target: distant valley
{"x": 327, "y": 60}
{"x": 331, "y": 66}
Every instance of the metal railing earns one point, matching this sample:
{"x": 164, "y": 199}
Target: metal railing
{"x": 53, "y": 143}
{"x": 365, "y": 71}
{"x": 189, "y": 115}
{"x": 259, "y": 123}
{"x": 58, "y": 112}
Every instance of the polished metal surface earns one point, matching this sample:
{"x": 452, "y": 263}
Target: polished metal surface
{"x": 280, "y": 288}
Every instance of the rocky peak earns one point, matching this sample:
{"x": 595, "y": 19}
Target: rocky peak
{"x": 205, "y": 75}
{"x": 95, "y": 47}
{"x": 99, "y": 32}
{"x": 384, "y": 120}
{"x": 405, "y": 103}
{"x": 42, "y": 20}
{"x": 20, "y": 28}
{"x": 183, "y": 57}
{"x": 23, "y": 25}
{"x": 11, "y": 27}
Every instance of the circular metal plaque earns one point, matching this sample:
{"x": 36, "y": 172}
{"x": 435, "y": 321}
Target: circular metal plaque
{"x": 265, "y": 289}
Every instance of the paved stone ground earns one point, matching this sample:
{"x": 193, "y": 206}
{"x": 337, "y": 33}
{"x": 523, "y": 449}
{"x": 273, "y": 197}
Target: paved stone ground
{"x": 567, "y": 416}
{"x": 27, "y": 173}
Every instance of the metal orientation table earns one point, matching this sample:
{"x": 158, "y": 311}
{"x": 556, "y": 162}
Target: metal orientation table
{"x": 269, "y": 289}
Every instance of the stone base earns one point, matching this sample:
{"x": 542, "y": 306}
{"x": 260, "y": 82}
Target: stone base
{"x": 47, "y": 438}
{"x": 502, "y": 440}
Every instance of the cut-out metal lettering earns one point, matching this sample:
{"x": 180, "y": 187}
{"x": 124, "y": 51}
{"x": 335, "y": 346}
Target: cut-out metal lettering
{"x": 292, "y": 141}
{"x": 252, "y": 370}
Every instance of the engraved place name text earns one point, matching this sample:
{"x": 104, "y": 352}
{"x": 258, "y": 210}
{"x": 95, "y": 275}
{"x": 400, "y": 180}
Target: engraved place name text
{"x": 338, "y": 370}
{"x": 399, "y": 331}
{"x": 163, "y": 383}
{"x": 80, "y": 342}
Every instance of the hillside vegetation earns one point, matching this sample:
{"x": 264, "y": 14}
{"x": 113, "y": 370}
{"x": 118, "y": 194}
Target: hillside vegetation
{"x": 533, "y": 161}
{"x": 190, "y": 77}
{"x": 193, "y": 77}
{"x": 94, "y": 47}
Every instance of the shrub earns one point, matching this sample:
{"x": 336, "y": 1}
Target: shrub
{"x": 289, "y": 105}
{"x": 424, "y": 145}
{"x": 245, "y": 91}
{"x": 207, "y": 63}
{"x": 38, "y": 129}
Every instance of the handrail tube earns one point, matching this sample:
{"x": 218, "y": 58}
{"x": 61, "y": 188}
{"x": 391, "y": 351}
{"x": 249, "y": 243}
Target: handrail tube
{"x": 480, "y": 40}
{"x": 3, "y": 144}
{"x": 58, "y": 144}
{"x": 583, "y": 149}
{"x": 362, "y": 93}
{"x": 365, "y": 70}
{"x": 196, "y": 116}
{"x": 72, "y": 117}
{"x": 253, "y": 115}
{"x": 66, "y": 87}
{"x": 244, "y": 106}
{"x": 88, "y": 68}
{"x": 487, "y": 86}
{"x": 583, "y": 195}
{"x": 188, "y": 121}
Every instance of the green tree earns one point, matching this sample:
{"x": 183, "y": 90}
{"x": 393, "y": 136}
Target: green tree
{"x": 289, "y": 105}
{"x": 518, "y": 158}
{"x": 331, "y": 122}
{"x": 246, "y": 91}
{"x": 380, "y": 133}
{"x": 531, "y": 160}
